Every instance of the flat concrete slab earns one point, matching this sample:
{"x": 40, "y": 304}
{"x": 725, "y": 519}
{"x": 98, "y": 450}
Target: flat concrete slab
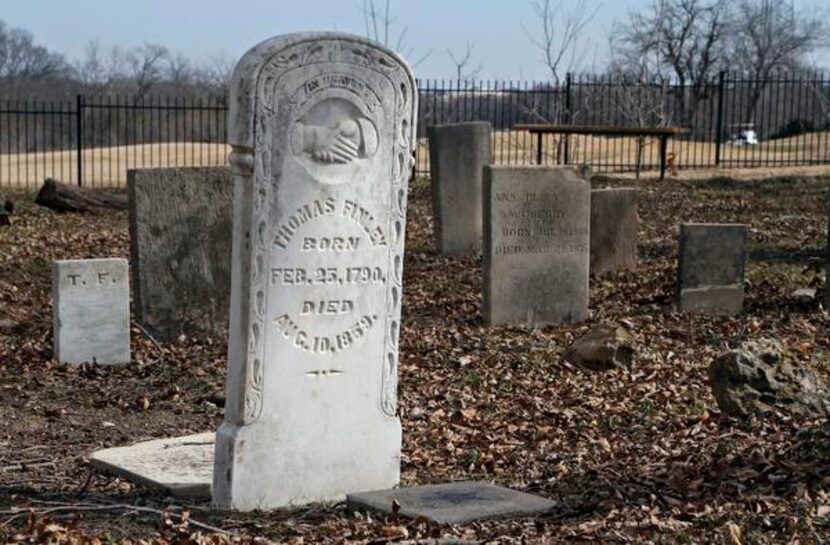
{"x": 453, "y": 503}
{"x": 181, "y": 467}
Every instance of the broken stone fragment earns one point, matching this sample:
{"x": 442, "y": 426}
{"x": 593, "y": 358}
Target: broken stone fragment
{"x": 804, "y": 295}
{"x": 604, "y": 347}
{"x": 759, "y": 377}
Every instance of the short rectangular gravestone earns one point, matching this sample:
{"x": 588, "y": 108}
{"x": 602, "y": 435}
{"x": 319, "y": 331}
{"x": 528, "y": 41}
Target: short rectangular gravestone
{"x": 322, "y": 129}
{"x": 457, "y": 154}
{"x": 711, "y": 261}
{"x": 181, "y": 225}
{"x": 91, "y": 311}
{"x": 536, "y": 245}
{"x": 614, "y": 227}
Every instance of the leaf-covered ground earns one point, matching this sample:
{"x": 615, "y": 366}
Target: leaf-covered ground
{"x": 639, "y": 455}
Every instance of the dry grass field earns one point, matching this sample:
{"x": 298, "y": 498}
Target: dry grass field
{"x": 619, "y": 154}
{"x": 107, "y": 167}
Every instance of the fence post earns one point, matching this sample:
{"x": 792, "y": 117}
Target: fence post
{"x": 719, "y": 122}
{"x": 79, "y": 137}
{"x": 568, "y": 116}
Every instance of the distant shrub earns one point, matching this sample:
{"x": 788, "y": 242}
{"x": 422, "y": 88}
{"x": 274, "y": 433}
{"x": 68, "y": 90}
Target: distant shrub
{"x": 794, "y": 128}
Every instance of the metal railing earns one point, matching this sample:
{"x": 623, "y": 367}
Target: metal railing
{"x": 94, "y": 140}
{"x": 734, "y": 121}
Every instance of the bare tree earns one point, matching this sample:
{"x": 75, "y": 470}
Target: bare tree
{"x": 181, "y": 72}
{"x": 117, "y": 62}
{"x": 640, "y": 99}
{"x": 561, "y": 33}
{"x": 21, "y": 57}
{"x": 461, "y": 62}
{"x": 770, "y": 35}
{"x": 216, "y": 74}
{"x": 147, "y": 67}
{"x": 90, "y": 69}
{"x": 379, "y": 27}
{"x": 685, "y": 39}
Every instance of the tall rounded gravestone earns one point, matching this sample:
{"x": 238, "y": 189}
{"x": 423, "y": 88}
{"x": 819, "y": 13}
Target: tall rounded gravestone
{"x": 322, "y": 129}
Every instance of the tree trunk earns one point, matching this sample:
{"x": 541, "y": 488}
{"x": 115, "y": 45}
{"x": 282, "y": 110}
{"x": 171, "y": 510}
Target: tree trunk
{"x": 69, "y": 198}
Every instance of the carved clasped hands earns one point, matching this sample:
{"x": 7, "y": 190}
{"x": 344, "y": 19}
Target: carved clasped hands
{"x": 342, "y": 143}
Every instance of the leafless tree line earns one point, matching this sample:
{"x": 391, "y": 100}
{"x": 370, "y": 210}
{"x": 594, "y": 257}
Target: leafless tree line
{"x": 670, "y": 46}
{"x": 680, "y": 46}
{"x": 688, "y": 42}
{"x": 27, "y": 69}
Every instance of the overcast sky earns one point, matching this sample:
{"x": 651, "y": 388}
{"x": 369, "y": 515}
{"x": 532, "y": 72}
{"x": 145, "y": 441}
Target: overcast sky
{"x": 203, "y": 29}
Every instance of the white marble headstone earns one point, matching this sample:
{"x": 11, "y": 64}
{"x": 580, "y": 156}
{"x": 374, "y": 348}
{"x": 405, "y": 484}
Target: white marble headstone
{"x": 91, "y": 310}
{"x": 322, "y": 129}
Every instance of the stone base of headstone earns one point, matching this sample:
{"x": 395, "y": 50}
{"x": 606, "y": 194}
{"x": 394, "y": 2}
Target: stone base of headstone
{"x": 453, "y": 503}
{"x": 181, "y": 467}
{"x": 715, "y": 300}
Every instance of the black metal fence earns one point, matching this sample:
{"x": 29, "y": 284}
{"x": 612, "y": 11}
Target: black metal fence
{"x": 93, "y": 141}
{"x": 734, "y": 121}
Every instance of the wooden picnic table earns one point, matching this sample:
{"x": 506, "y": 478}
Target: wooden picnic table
{"x": 663, "y": 133}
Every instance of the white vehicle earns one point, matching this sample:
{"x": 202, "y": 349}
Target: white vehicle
{"x": 743, "y": 134}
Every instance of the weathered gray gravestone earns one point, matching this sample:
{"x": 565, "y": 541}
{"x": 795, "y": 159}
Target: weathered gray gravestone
{"x": 614, "y": 226}
{"x": 322, "y": 127}
{"x": 536, "y": 245}
{"x": 91, "y": 311}
{"x": 457, "y": 154}
{"x": 181, "y": 222}
{"x": 710, "y": 276}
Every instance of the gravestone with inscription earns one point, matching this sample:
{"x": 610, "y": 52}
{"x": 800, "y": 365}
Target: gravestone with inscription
{"x": 711, "y": 260}
{"x": 457, "y": 154}
{"x": 91, "y": 311}
{"x": 536, "y": 245}
{"x": 322, "y": 129}
{"x": 181, "y": 222}
{"x": 614, "y": 226}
